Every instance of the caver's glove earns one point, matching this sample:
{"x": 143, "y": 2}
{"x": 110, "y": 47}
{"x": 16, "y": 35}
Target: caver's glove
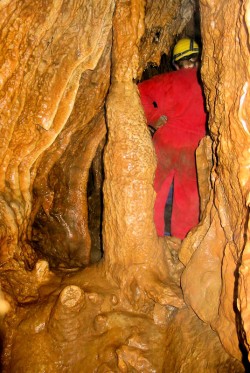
{"x": 160, "y": 122}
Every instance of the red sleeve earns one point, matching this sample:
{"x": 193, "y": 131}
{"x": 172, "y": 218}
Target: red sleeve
{"x": 149, "y": 100}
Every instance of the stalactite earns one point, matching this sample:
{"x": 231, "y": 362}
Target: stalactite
{"x": 68, "y": 73}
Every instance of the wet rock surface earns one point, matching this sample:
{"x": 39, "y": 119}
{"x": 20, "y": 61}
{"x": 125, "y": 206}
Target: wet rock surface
{"x": 69, "y": 107}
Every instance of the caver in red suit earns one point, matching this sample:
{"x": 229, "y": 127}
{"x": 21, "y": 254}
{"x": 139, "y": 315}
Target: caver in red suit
{"x": 177, "y": 95}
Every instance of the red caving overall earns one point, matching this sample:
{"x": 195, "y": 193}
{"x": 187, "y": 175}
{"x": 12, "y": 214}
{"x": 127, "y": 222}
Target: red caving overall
{"x": 178, "y": 95}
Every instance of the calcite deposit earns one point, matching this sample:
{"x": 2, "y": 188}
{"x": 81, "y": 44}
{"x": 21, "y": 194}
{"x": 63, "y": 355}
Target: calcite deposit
{"x": 86, "y": 283}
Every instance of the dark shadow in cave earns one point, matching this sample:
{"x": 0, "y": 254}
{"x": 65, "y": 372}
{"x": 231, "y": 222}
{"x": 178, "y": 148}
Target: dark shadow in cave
{"x": 1, "y": 349}
{"x": 152, "y": 69}
{"x": 95, "y": 204}
{"x": 238, "y": 319}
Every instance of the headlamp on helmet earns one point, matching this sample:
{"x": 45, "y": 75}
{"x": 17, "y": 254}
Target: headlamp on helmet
{"x": 184, "y": 48}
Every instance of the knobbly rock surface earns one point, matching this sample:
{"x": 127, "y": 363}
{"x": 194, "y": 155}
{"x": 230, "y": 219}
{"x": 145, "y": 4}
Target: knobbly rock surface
{"x": 68, "y": 100}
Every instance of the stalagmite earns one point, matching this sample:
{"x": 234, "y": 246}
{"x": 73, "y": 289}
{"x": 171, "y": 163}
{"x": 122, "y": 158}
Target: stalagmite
{"x": 65, "y": 319}
{"x": 86, "y": 283}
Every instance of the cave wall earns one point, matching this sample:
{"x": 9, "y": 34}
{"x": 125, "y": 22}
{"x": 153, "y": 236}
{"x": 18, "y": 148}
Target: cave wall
{"x": 221, "y": 238}
{"x": 68, "y": 73}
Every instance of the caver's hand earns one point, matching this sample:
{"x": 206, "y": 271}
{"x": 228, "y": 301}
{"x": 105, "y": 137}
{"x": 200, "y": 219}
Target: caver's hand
{"x": 160, "y": 122}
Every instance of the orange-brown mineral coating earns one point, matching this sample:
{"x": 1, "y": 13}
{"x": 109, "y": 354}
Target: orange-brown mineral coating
{"x": 83, "y": 326}
{"x": 129, "y": 169}
{"x": 164, "y": 21}
{"x": 61, "y": 183}
{"x": 223, "y": 234}
{"x": 126, "y": 313}
{"x": 49, "y": 46}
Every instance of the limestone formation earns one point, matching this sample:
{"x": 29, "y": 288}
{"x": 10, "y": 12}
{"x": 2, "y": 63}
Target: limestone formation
{"x": 86, "y": 283}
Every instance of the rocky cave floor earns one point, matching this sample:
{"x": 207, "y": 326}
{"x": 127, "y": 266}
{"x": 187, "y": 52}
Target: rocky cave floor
{"x": 83, "y": 323}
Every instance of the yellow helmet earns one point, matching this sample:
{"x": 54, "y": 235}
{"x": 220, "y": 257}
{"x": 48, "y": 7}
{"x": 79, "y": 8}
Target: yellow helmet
{"x": 185, "y": 47}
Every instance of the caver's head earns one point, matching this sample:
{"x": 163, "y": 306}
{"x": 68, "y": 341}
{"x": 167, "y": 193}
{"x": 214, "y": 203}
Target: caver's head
{"x": 186, "y": 54}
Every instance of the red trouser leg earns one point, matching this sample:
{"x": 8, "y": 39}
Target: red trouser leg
{"x": 176, "y": 159}
{"x": 160, "y": 202}
{"x": 185, "y": 210}
{"x": 163, "y": 179}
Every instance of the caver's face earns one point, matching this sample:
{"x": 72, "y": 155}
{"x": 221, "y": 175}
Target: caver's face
{"x": 188, "y": 64}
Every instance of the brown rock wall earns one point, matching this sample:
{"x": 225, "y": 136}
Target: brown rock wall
{"x": 164, "y": 22}
{"x": 67, "y": 73}
{"x": 46, "y": 46}
{"x": 210, "y": 281}
{"x": 128, "y": 186}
